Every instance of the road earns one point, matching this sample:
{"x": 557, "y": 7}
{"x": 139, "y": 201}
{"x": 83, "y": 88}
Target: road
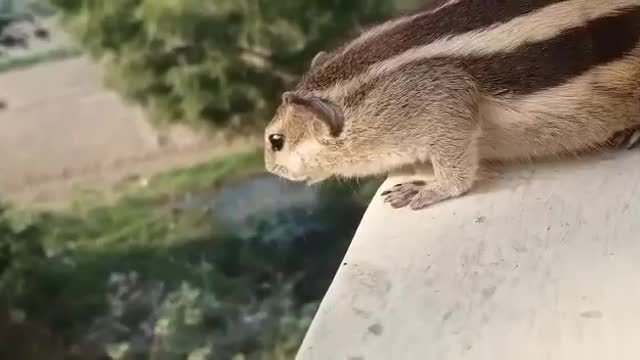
{"x": 61, "y": 128}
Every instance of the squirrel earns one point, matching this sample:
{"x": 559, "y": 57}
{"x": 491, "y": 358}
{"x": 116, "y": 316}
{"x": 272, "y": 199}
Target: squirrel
{"x": 464, "y": 82}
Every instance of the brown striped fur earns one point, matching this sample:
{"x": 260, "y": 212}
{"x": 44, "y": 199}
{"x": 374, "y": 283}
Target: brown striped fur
{"x": 471, "y": 80}
{"x": 458, "y": 18}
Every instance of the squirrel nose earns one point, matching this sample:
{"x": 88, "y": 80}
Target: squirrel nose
{"x": 277, "y": 142}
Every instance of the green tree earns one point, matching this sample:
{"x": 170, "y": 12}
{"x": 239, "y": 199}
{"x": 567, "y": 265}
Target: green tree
{"x": 221, "y": 61}
{"x": 26, "y": 292}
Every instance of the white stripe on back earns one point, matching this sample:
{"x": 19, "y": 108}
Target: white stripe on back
{"x": 540, "y": 25}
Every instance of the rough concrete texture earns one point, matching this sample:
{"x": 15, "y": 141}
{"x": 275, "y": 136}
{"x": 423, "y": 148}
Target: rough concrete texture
{"x": 541, "y": 263}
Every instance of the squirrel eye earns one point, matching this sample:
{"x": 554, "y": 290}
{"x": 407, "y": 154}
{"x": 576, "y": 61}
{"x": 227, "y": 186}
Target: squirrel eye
{"x": 277, "y": 141}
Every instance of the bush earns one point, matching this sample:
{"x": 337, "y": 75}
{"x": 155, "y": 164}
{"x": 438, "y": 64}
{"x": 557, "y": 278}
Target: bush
{"x": 145, "y": 278}
{"x": 212, "y": 60}
{"x": 192, "y": 321}
{"x": 21, "y": 258}
{"x": 26, "y": 292}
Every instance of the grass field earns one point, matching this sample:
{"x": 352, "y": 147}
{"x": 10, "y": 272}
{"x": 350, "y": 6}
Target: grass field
{"x": 142, "y": 230}
{"x": 16, "y": 63}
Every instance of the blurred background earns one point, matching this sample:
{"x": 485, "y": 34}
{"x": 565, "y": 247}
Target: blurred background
{"x": 136, "y": 219}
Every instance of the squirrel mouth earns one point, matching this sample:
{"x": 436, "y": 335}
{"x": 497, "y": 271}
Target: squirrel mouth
{"x": 313, "y": 181}
{"x": 308, "y": 179}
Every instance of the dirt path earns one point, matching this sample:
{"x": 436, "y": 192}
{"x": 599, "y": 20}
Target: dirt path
{"x": 61, "y": 128}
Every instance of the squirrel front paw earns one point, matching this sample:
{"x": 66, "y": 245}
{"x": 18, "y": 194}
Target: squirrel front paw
{"x": 416, "y": 194}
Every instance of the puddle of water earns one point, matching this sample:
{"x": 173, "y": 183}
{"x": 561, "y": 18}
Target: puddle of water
{"x": 270, "y": 209}
{"x": 266, "y": 208}
{"x": 238, "y": 202}
{"x": 296, "y": 227}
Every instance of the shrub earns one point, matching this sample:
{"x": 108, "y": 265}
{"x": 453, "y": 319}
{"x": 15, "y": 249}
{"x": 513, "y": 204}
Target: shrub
{"x": 212, "y": 60}
{"x": 145, "y": 321}
{"x": 21, "y": 258}
{"x": 26, "y": 292}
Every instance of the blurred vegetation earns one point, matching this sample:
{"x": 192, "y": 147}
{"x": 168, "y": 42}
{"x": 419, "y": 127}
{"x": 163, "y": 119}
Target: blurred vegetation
{"x": 27, "y": 61}
{"x": 144, "y": 278}
{"x": 221, "y": 62}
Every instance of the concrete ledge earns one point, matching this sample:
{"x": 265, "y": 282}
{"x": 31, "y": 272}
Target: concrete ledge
{"x": 541, "y": 263}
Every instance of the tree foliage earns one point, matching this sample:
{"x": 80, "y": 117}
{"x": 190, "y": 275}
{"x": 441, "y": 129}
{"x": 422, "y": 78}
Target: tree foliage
{"x": 21, "y": 254}
{"x": 212, "y": 60}
{"x": 149, "y": 277}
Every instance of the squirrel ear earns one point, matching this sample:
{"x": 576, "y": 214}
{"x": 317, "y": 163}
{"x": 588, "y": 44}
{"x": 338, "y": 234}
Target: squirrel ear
{"x": 319, "y": 59}
{"x": 326, "y": 111}
{"x": 288, "y": 97}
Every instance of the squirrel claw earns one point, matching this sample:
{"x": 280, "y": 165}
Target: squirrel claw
{"x": 416, "y": 194}
{"x": 628, "y": 139}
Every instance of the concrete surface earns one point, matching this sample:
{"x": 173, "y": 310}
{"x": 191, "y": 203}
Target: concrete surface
{"x": 541, "y": 263}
